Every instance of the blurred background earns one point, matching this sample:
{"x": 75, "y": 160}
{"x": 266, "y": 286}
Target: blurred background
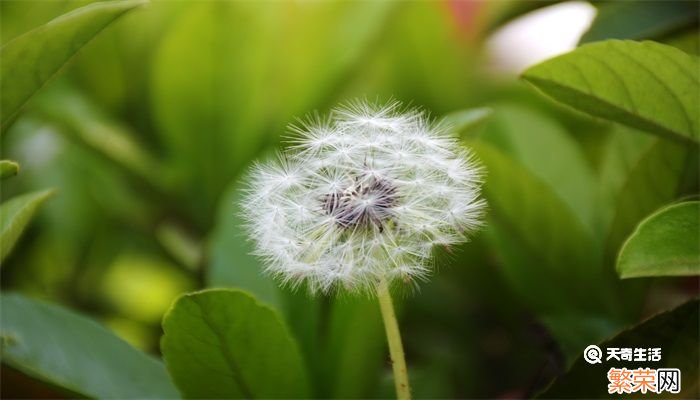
{"x": 144, "y": 136}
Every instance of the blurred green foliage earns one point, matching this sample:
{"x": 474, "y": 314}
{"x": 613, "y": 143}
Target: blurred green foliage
{"x": 146, "y": 133}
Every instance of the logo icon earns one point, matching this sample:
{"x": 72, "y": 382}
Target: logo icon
{"x": 593, "y": 354}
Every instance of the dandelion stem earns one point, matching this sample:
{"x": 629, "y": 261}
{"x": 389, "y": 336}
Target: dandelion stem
{"x": 393, "y": 336}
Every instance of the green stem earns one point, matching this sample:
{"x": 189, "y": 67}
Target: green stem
{"x": 393, "y": 336}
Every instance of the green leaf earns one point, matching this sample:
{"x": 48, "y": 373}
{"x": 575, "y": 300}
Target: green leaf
{"x": 354, "y": 352}
{"x": 523, "y": 133}
{"x": 232, "y": 56}
{"x": 180, "y": 245}
{"x": 32, "y": 59}
{"x": 546, "y": 254}
{"x": 667, "y": 243}
{"x": 59, "y": 346}
{"x": 224, "y": 344}
{"x": 87, "y": 125}
{"x": 640, "y": 20}
{"x": 546, "y": 231}
{"x": 231, "y": 262}
{"x": 645, "y": 85}
{"x": 8, "y": 169}
{"x": 639, "y": 174}
{"x": 675, "y": 332}
{"x": 464, "y": 121}
{"x": 15, "y": 215}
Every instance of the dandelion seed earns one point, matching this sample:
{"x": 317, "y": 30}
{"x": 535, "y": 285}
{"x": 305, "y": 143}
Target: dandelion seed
{"x": 362, "y": 197}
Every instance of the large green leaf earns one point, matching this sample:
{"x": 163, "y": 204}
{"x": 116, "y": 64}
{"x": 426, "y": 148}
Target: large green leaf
{"x": 15, "y": 215}
{"x": 640, "y": 19}
{"x": 645, "y": 85}
{"x": 523, "y": 133}
{"x": 675, "y": 332}
{"x": 59, "y": 346}
{"x": 224, "y": 344}
{"x": 667, "y": 243}
{"x": 245, "y": 71}
{"x": 638, "y": 175}
{"x": 30, "y": 60}
{"x": 547, "y": 255}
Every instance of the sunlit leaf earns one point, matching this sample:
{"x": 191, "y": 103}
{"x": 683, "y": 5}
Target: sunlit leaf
{"x": 615, "y": 79}
{"x": 465, "y": 121}
{"x": 59, "y": 346}
{"x": 675, "y": 332}
{"x": 640, "y": 19}
{"x": 224, "y": 344}
{"x": 8, "y": 169}
{"x": 245, "y": 71}
{"x": 667, "y": 243}
{"x": 15, "y": 215}
{"x": 32, "y": 59}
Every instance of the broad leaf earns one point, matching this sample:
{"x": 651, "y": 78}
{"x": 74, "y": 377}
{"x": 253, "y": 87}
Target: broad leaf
{"x": 15, "y": 215}
{"x": 8, "y": 169}
{"x": 224, "y": 344}
{"x": 523, "y": 133}
{"x": 640, "y": 19}
{"x": 675, "y": 332}
{"x": 639, "y": 174}
{"x": 547, "y": 255}
{"x": 667, "y": 243}
{"x": 30, "y": 60}
{"x": 615, "y": 79}
{"x": 216, "y": 110}
{"x": 59, "y": 346}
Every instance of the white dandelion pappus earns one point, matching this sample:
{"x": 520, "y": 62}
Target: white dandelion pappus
{"x": 362, "y": 197}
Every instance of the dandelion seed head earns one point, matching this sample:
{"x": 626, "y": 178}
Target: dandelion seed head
{"x": 360, "y": 197}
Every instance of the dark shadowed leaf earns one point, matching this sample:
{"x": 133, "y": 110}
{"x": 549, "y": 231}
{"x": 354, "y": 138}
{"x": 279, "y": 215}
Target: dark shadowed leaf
{"x": 613, "y": 79}
{"x": 640, "y": 174}
{"x": 640, "y": 19}
{"x": 667, "y": 243}
{"x": 61, "y": 347}
{"x": 675, "y": 332}
{"x": 224, "y": 344}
